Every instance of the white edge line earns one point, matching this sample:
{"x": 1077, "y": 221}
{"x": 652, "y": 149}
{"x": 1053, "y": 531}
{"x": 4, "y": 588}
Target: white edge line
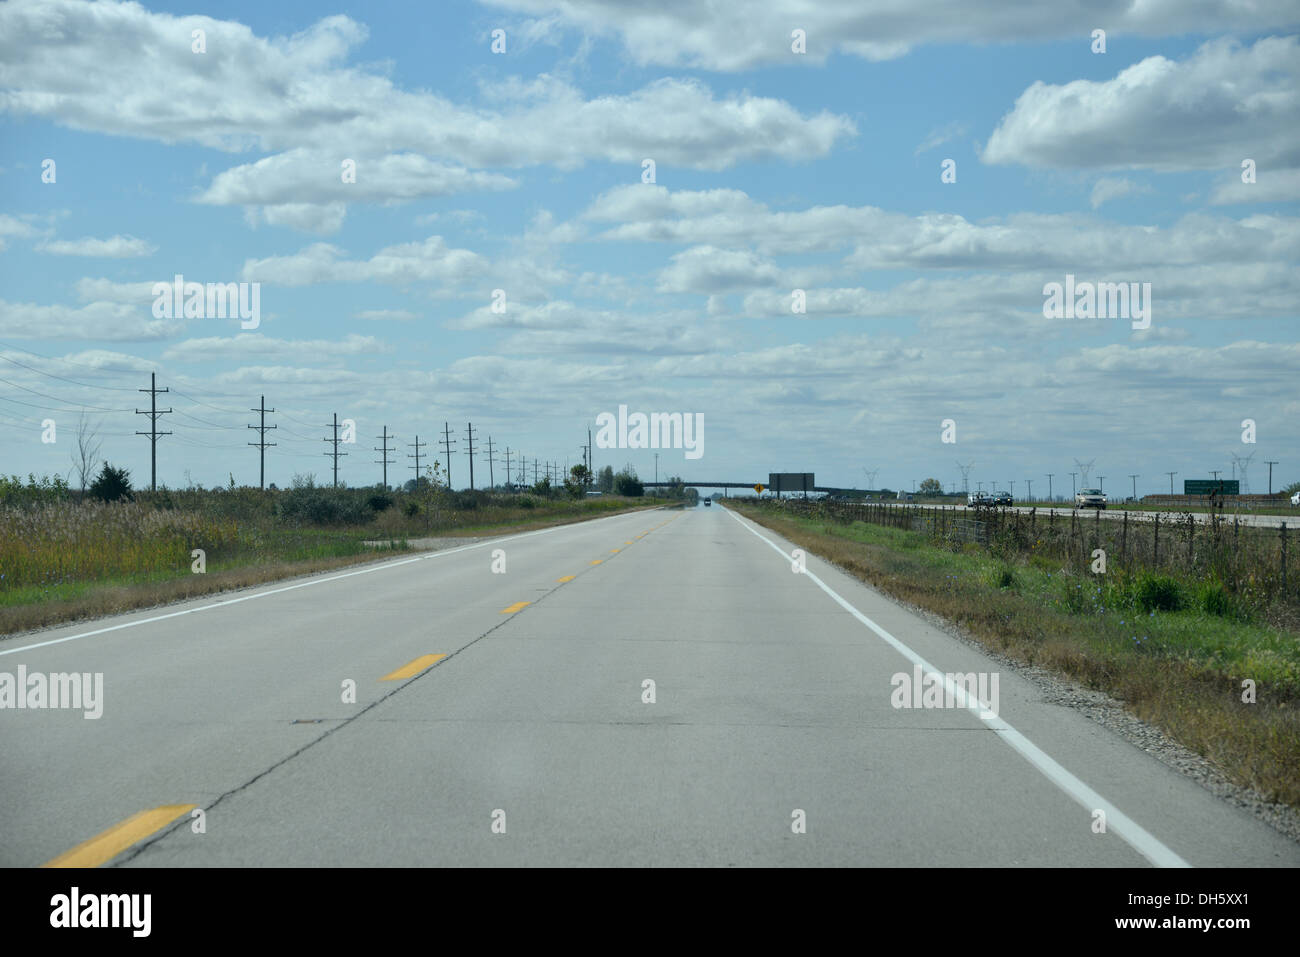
{"x": 1133, "y": 833}
{"x": 315, "y": 581}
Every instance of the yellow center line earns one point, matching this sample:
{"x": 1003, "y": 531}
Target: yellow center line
{"x": 613, "y": 551}
{"x": 413, "y": 669}
{"x": 597, "y": 561}
{"x": 108, "y": 844}
{"x": 566, "y": 578}
{"x": 515, "y": 607}
{"x": 627, "y": 543}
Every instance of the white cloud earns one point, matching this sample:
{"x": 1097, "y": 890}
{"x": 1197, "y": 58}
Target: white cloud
{"x": 255, "y": 346}
{"x": 1155, "y": 114}
{"x": 709, "y": 270}
{"x": 428, "y": 261}
{"x": 64, "y": 60}
{"x": 114, "y": 247}
{"x": 1109, "y": 188}
{"x": 397, "y": 315}
{"x": 96, "y": 321}
{"x": 1270, "y": 186}
{"x": 743, "y": 34}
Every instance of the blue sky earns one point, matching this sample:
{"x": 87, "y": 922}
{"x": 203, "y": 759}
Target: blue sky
{"x": 774, "y": 171}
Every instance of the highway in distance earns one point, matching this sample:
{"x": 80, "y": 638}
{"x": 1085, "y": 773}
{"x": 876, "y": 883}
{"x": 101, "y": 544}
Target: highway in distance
{"x": 655, "y": 688}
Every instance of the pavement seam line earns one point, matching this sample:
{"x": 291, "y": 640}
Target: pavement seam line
{"x": 136, "y": 850}
{"x": 1132, "y": 833}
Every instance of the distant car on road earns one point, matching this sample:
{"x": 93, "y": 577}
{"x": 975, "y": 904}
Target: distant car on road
{"x": 979, "y": 500}
{"x": 1295, "y": 499}
{"x": 1090, "y": 498}
{"x": 1001, "y": 498}
{"x": 708, "y": 502}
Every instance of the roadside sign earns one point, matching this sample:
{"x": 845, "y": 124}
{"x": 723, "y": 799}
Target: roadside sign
{"x": 758, "y": 489}
{"x": 1206, "y": 486}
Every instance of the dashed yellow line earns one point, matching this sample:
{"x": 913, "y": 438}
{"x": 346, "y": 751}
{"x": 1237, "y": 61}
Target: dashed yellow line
{"x": 511, "y": 609}
{"x": 566, "y": 578}
{"x": 597, "y": 561}
{"x": 614, "y": 551}
{"x": 627, "y": 543}
{"x": 413, "y": 668}
{"x": 108, "y": 844}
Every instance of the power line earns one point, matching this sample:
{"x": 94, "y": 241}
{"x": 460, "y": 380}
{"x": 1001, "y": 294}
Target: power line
{"x": 335, "y": 452}
{"x": 384, "y": 459}
{"x": 492, "y": 482}
{"x": 262, "y": 444}
{"x": 153, "y": 432}
{"x": 416, "y": 445}
{"x": 446, "y": 443}
{"x": 469, "y": 431}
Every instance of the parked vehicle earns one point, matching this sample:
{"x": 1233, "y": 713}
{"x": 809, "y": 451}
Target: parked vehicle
{"x": 1090, "y": 498}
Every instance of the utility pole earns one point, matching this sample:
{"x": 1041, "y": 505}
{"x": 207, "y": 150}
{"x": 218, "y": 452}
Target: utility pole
{"x": 656, "y": 470}
{"x": 385, "y": 437}
{"x": 1073, "y": 491}
{"x": 1135, "y": 486}
{"x": 469, "y": 431}
{"x": 1103, "y": 482}
{"x": 492, "y": 482}
{"x": 979, "y": 486}
{"x": 336, "y": 453}
{"x": 1270, "y": 476}
{"x": 508, "y": 479}
{"x": 447, "y": 442}
{"x": 590, "y": 468}
{"x": 1030, "y": 493}
{"x": 1049, "y": 485}
{"x": 1215, "y": 474}
{"x": 1171, "y": 481}
{"x": 416, "y": 445}
{"x": 153, "y": 432}
{"x": 534, "y": 470}
{"x": 1013, "y": 488}
{"x": 262, "y": 443}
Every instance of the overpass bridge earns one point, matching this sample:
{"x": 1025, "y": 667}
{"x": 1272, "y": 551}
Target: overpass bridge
{"x": 828, "y": 489}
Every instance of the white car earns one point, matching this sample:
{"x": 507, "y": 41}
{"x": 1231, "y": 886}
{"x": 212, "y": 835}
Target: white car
{"x": 1295, "y": 499}
{"x": 1090, "y": 498}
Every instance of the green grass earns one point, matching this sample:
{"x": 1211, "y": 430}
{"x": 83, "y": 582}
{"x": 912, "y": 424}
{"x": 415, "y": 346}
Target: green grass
{"x": 1175, "y": 650}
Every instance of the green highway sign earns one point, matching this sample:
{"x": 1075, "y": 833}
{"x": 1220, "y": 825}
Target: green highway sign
{"x": 1206, "y": 486}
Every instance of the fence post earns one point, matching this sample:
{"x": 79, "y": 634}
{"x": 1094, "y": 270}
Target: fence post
{"x": 1191, "y": 536}
{"x": 1284, "y": 560}
{"x": 1155, "y": 544}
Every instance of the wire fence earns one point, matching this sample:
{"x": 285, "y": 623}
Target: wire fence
{"x": 1247, "y": 559}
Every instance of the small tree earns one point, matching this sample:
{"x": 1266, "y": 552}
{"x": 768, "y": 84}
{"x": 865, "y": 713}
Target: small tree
{"x": 605, "y": 480}
{"x": 86, "y": 455}
{"x": 112, "y": 484}
{"x": 626, "y": 483}
{"x": 931, "y": 487}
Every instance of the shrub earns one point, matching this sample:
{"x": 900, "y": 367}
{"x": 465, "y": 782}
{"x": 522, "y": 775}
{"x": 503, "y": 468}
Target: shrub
{"x": 1157, "y": 593}
{"x": 112, "y": 484}
{"x": 1004, "y": 577}
{"x": 1213, "y": 599}
{"x": 379, "y": 502}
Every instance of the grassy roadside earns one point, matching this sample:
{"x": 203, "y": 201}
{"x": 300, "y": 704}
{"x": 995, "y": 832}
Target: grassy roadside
{"x": 270, "y": 555}
{"x": 1179, "y": 670}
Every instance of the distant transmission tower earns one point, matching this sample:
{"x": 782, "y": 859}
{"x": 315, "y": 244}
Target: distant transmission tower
{"x": 871, "y": 477}
{"x": 965, "y": 476}
{"x": 1241, "y": 464}
{"x": 1084, "y": 469}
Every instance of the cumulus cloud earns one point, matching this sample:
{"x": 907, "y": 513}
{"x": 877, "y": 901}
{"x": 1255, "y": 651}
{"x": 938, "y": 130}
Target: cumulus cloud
{"x": 1155, "y": 114}
{"x": 255, "y": 346}
{"x": 743, "y": 34}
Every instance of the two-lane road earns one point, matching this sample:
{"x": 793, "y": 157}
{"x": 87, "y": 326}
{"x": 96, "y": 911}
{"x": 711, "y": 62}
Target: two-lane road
{"x": 657, "y": 688}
